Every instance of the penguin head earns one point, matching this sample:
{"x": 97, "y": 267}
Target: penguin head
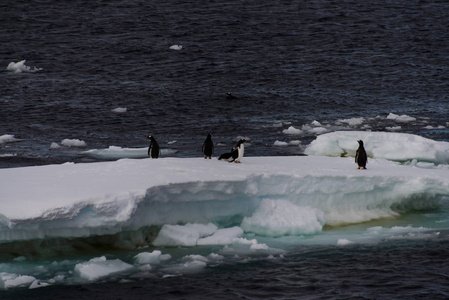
{"x": 209, "y": 136}
{"x": 150, "y": 137}
{"x": 230, "y": 96}
{"x": 360, "y": 143}
{"x": 241, "y": 141}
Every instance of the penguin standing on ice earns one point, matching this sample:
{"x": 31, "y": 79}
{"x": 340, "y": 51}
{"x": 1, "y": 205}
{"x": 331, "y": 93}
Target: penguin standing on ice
{"x": 208, "y": 147}
{"x": 236, "y": 153}
{"x": 153, "y": 150}
{"x": 360, "y": 156}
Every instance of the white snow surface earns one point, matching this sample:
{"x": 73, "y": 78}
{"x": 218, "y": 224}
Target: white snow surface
{"x": 116, "y": 152}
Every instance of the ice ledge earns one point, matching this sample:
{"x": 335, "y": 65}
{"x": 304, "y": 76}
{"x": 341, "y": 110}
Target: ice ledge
{"x": 34, "y": 192}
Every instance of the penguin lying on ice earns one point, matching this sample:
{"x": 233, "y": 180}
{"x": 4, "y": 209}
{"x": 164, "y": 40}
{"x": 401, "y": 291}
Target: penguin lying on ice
{"x": 208, "y": 147}
{"x": 236, "y": 153}
{"x": 360, "y": 156}
{"x": 153, "y": 150}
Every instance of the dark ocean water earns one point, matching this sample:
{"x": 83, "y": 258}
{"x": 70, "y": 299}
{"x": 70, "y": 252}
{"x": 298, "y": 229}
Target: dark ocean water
{"x": 288, "y": 62}
{"x": 404, "y": 270}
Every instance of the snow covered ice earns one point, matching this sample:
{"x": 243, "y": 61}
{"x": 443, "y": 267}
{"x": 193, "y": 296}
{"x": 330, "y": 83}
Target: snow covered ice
{"x": 392, "y": 146}
{"x": 80, "y": 199}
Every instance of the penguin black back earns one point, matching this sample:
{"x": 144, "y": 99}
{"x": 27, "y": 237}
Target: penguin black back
{"x": 230, "y": 96}
{"x": 208, "y": 147}
{"x": 360, "y": 156}
{"x": 153, "y": 150}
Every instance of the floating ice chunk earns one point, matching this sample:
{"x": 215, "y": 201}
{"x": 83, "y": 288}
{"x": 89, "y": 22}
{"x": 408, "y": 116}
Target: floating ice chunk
{"x": 295, "y": 143}
{"x": 194, "y": 257}
{"x": 154, "y": 257}
{"x": 100, "y": 267}
{"x": 120, "y": 110}
{"x": 403, "y": 233}
{"x": 8, "y": 280}
{"x": 187, "y": 235}
{"x": 280, "y": 143}
{"x": 222, "y": 236}
{"x": 190, "y": 264}
{"x": 38, "y": 284}
{"x": 318, "y": 130}
{"x": 280, "y": 217}
{"x": 176, "y": 47}
{"x": 316, "y": 123}
{"x": 176, "y": 235}
{"x": 391, "y": 146}
{"x": 7, "y": 138}
{"x": 73, "y": 143}
{"x": 215, "y": 257}
{"x": 352, "y": 121}
{"x": 54, "y": 146}
{"x": 292, "y": 131}
{"x": 403, "y": 118}
{"x": 432, "y": 127}
{"x": 242, "y": 246}
{"x": 344, "y": 242}
{"x": 393, "y": 128}
{"x": 20, "y": 67}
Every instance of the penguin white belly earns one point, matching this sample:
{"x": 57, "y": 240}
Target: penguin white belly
{"x": 241, "y": 150}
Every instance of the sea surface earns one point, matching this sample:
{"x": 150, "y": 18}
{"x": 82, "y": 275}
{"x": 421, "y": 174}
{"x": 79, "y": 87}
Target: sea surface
{"x": 105, "y": 73}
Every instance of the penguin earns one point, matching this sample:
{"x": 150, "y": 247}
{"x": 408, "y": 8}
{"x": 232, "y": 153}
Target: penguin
{"x": 236, "y": 153}
{"x": 230, "y": 96}
{"x": 208, "y": 147}
{"x": 227, "y": 156}
{"x": 360, "y": 156}
{"x": 239, "y": 150}
{"x": 153, "y": 150}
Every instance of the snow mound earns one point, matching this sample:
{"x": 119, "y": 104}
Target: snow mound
{"x": 392, "y": 146}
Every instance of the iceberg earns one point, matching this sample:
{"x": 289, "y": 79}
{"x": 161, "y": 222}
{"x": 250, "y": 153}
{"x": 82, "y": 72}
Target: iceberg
{"x": 400, "y": 147}
{"x": 79, "y": 200}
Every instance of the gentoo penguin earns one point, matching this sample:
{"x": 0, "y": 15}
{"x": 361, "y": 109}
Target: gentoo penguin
{"x": 153, "y": 150}
{"x": 236, "y": 153}
{"x": 208, "y": 147}
{"x": 360, "y": 156}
